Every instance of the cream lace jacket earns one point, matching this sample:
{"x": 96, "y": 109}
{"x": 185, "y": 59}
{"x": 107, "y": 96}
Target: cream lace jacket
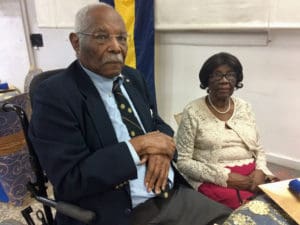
{"x": 205, "y": 147}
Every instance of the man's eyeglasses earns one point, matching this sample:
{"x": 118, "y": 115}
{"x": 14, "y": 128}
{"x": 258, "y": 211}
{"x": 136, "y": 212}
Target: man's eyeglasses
{"x": 230, "y": 76}
{"x": 103, "y": 38}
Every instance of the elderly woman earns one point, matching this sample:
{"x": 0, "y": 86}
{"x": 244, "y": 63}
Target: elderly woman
{"x": 217, "y": 141}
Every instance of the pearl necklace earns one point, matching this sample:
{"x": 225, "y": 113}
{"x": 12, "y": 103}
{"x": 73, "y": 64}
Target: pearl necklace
{"x": 215, "y": 108}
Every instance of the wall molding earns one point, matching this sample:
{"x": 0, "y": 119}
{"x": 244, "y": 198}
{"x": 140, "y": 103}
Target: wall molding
{"x": 198, "y": 38}
{"x": 283, "y": 160}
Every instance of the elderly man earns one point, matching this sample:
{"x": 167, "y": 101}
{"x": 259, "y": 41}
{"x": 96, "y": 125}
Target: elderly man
{"x": 98, "y": 136}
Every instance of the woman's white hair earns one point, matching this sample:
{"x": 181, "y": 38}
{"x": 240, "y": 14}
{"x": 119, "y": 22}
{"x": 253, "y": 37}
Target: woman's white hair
{"x": 82, "y": 18}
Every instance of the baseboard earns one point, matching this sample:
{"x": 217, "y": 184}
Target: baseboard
{"x": 283, "y": 161}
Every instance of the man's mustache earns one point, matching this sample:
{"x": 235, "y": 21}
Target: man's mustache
{"x": 113, "y": 58}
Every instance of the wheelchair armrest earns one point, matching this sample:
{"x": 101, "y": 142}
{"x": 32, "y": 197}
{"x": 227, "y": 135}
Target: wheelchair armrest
{"x": 73, "y": 211}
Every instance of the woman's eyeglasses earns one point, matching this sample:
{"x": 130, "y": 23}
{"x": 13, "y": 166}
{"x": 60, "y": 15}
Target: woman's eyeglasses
{"x": 230, "y": 76}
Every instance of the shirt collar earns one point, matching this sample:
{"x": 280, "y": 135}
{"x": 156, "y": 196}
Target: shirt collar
{"x": 104, "y": 83}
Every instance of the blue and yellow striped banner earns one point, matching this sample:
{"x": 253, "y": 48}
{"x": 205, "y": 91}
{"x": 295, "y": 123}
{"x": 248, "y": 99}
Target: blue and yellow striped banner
{"x": 139, "y": 20}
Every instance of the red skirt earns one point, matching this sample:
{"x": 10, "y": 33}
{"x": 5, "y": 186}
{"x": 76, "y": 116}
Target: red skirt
{"x": 230, "y": 197}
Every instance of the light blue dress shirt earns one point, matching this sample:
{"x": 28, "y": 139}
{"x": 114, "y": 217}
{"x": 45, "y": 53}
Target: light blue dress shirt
{"x": 104, "y": 85}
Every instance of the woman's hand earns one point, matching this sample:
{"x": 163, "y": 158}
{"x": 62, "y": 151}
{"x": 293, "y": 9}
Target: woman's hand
{"x": 258, "y": 177}
{"x": 238, "y": 181}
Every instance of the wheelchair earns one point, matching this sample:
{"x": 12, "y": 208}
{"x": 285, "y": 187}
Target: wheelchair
{"x": 38, "y": 188}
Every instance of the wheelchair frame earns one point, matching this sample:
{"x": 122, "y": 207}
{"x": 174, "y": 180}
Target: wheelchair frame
{"x": 38, "y": 189}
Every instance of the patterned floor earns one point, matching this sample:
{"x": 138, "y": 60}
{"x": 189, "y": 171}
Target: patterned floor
{"x": 11, "y": 215}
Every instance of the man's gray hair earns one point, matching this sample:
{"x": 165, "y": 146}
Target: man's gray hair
{"x": 82, "y": 18}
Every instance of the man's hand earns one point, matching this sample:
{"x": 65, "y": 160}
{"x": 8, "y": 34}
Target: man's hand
{"x": 157, "y": 150}
{"x": 154, "y": 143}
{"x": 238, "y": 181}
{"x": 258, "y": 177}
{"x": 157, "y": 172}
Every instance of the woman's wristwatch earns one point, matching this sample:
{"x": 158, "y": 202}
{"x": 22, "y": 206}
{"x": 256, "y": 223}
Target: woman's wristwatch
{"x": 271, "y": 179}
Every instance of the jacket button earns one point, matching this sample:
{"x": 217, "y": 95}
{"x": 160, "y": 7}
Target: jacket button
{"x": 127, "y": 211}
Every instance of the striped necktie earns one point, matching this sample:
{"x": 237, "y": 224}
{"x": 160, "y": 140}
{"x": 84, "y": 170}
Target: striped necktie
{"x": 130, "y": 120}
{"x": 128, "y": 117}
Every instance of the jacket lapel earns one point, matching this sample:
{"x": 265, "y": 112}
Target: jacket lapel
{"x": 95, "y": 107}
{"x": 97, "y": 110}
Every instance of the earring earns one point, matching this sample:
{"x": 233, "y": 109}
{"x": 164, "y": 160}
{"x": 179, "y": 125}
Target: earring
{"x": 202, "y": 86}
{"x": 239, "y": 85}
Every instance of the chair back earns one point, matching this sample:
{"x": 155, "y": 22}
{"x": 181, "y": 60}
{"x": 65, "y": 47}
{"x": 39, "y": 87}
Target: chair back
{"x": 178, "y": 117}
{"x": 39, "y": 78}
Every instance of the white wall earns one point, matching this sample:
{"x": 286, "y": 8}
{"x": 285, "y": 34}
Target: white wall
{"x": 14, "y": 63}
{"x": 271, "y": 72}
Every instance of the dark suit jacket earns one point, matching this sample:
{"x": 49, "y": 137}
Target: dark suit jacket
{"x": 77, "y": 145}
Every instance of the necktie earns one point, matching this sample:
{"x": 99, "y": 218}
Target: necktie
{"x": 128, "y": 117}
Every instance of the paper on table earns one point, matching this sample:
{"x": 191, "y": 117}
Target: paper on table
{"x": 279, "y": 192}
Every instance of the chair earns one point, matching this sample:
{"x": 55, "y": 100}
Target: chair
{"x": 8, "y": 93}
{"x": 178, "y": 117}
{"x": 39, "y": 78}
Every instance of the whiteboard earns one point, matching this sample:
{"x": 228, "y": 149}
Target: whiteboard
{"x": 226, "y": 14}
{"x": 190, "y": 14}
{"x": 285, "y": 14}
